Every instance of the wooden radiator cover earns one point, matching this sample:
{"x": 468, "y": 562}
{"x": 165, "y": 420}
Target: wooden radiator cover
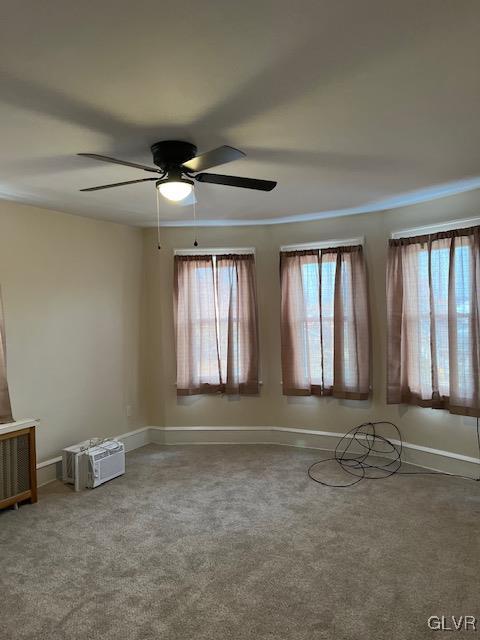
{"x": 18, "y": 473}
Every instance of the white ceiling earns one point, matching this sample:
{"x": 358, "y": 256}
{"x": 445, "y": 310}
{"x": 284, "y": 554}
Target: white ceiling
{"x": 350, "y": 105}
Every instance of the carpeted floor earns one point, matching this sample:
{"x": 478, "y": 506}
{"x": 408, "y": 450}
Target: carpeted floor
{"x": 235, "y": 542}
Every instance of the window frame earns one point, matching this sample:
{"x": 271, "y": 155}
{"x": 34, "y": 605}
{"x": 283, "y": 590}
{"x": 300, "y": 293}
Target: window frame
{"x": 449, "y": 390}
{"x": 333, "y": 388}
{"x": 213, "y": 252}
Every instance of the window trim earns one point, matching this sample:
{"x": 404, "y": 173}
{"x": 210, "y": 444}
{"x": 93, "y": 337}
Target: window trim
{"x": 435, "y": 228}
{"x": 215, "y": 251}
{"x": 324, "y": 244}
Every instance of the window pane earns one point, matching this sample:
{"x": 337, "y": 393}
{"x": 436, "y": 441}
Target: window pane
{"x": 310, "y": 330}
{"x": 463, "y": 307}
{"x": 329, "y": 266}
{"x": 349, "y": 338}
{"x": 228, "y": 306}
{"x": 416, "y": 319}
{"x": 440, "y": 259}
{"x": 203, "y": 327}
{"x": 318, "y": 322}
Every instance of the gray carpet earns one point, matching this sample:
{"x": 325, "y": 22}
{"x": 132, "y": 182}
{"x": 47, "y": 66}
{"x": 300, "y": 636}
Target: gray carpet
{"x": 220, "y": 542}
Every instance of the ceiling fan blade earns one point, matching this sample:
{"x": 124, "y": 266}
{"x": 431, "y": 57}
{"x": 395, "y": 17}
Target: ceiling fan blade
{"x": 115, "y": 161}
{"x": 117, "y": 184}
{"x": 209, "y": 159}
{"x": 236, "y": 181}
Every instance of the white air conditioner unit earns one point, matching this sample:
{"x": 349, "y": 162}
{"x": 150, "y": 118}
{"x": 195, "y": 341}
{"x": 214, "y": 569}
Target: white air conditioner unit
{"x": 104, "y": 462}
{"x": 87, "y": 465}
{"x": 70, "y": 464}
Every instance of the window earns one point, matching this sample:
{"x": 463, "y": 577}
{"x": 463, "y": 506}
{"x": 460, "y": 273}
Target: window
{"x": 5, "y": 409}
{"x": 216, "y": 324}
{"x": 325, "y": 324}
{"x": 433, "y": 320}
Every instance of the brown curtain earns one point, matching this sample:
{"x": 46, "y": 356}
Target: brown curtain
{"x": 325, "y": 323}
{"x": 237, "y": 316}
{"x": 5, "y": 408}
{"x": 433, "y": 305}
{"x": 216, "y": 324}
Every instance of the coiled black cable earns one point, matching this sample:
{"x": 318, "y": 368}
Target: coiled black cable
{"x": 366, "y": 465}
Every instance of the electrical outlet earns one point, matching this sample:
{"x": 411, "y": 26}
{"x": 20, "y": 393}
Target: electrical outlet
{"x": 129, "y": 410}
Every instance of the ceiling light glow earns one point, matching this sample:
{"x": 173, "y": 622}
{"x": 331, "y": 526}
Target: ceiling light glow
{"x": 175, "y": 190}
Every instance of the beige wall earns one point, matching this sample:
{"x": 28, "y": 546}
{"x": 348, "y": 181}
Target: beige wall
{"x": 72, "y": 296}
{"x": 90, "y": 330}
{"x": 437, "y": 429}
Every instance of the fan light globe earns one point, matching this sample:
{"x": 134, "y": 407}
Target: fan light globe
{"x": 175, "y": 190}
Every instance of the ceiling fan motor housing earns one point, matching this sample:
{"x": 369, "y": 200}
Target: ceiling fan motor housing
{"x": 169, "y": 154}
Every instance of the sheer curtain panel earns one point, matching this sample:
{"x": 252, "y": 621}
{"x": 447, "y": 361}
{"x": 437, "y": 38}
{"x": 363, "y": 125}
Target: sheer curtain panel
{"x": 237, "y": 317}
{"x": 325, "y": 323}
{"x": 433, "y": 304}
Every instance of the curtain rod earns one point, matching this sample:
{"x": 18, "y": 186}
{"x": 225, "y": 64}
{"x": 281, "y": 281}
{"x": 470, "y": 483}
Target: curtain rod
{"x": 214, "y": 251}
{"x": 324, "y": 244}
{"x": 436, "y": 228}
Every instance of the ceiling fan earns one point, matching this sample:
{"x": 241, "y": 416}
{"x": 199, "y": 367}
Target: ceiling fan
{"x": 179, "y": 165}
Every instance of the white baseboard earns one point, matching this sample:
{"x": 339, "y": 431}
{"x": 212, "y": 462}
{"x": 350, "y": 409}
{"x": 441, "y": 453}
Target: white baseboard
{"x": 429, "y": 458}
{"x": 434, "y": 459}
{"x": 49, "y": 470}
{"x": 135, "y": 439}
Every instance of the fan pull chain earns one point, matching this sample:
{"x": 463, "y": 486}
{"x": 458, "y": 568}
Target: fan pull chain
{"x": 159, "y": 246}
{"x": 195, "y": 244}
